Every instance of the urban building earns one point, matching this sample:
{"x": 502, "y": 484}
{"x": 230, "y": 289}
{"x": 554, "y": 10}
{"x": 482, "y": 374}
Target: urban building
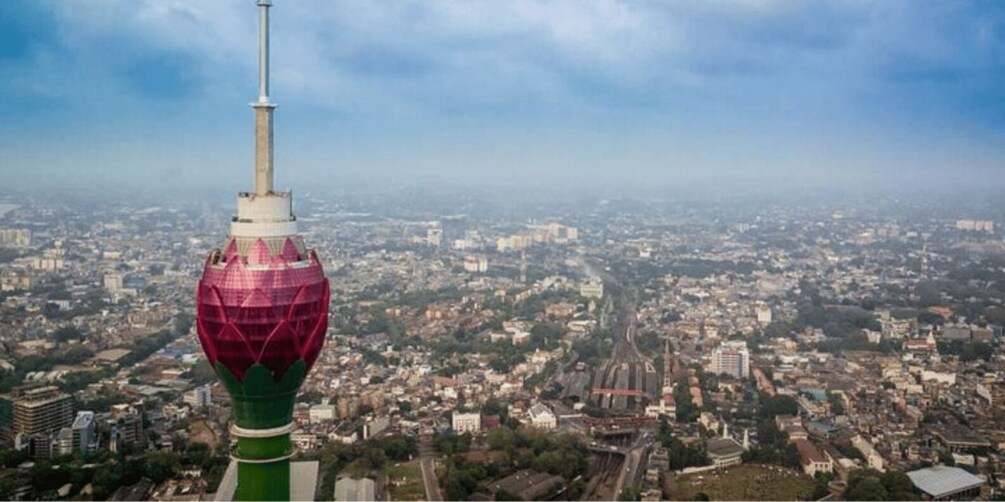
{"x": 476, "y": 264}
{"x": 41, "y": 410}
{"x": 466, "y": 422}
{"x": 731, "y": 358}
{"x": 593, "y": 288}
{"x": 542, "y": 417}
{"x": 942, "y": 482}
{"x": 724, "y": 452}
{"x": 83, "y": 432}
{"x": 15, "y": 237}
{"x": 812, "y": 460}
{"x": 200, "y": 397}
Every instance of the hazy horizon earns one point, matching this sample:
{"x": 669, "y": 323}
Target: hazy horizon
{"x": 760, "y": 95}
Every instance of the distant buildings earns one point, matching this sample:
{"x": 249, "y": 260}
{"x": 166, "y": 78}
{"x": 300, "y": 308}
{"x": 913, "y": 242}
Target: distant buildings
{"x": 731, "y": 358}
{"x": 975, "y": 225}
{"x": 321, "y": 413}
{"x": 466, "y": 422}
{"x": 476, "y": 264}
{"x": 113, "y": 282}
{"x": 763, "y": 314}
{"x": 15, "y": 237}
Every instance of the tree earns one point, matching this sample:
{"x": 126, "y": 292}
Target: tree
{"x": 779, "y": 405}
{"x": 898, "y": 486}
{"x": 630, "y": 493}
{"x": 67, "y": 333}
{"x": 869, "y": 488}
{"x": 500, "y": 438}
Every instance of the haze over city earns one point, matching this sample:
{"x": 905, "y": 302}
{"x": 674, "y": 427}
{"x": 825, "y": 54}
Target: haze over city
{"x": 749, "y": 93}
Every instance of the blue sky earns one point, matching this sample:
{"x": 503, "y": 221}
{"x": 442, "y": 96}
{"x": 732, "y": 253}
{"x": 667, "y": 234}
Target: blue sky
{"x": 657, "y": 92}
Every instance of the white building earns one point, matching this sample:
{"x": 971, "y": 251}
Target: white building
{"x": 375, "y": 426}
{"x": 593, "y": 288}
{"x": 82, "y": 431}
{"x": 113, "y": 282}
{"x": 466, "y": 422}
{"x": 15, "y": 237}
{"x": 478, "y": 264}
{"x": 199, "y": 397}
{"x": 731, "y": 358}
{"x": 542, "y": 417}
{"x": 872, "y": 457}
{"x": 434, "y": 237}
{"x": 764, "y": 314}
{"x": 321, "y": 413}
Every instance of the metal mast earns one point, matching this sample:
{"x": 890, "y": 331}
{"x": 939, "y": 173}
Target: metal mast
{"x": 264, "y": 107}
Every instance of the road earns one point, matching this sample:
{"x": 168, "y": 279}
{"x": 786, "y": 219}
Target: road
{"x": 429, "y": 480}
{"x": 633, "y": 459}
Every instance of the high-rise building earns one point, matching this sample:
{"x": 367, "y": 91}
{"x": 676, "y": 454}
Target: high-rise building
{"x": 83, "y": 431}
{"x": 263, "y": 312}
{"x": 15, "y": 237}
{"x": 126, "y": 431}
{"x": 200, "y": 397}
{"x": 41, "y": 410}
{"x": 731, "y": 358}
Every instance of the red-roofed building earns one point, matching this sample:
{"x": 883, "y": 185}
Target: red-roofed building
{"x": 812, "y": 459}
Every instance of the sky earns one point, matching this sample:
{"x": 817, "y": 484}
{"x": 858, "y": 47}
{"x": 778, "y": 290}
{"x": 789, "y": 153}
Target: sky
{"x": 655, "y": 93}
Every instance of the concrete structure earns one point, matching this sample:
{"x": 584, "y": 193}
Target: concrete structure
{"x": 763, "y": 314}
{"x": 731, "y": 358}
{"x": 593, "y": 288}
{"x": 724, "y": 452}
{"x": 41, "y": 410}
{"x": 82, "y": 431}
{"x": 113, "y": 282}
{"x": 376, "y": 426}
{"x": 466, "y": 422}
{"x": 476, "y": 264}
{"x": 946, "y": 483}
{"x": 321, "y": 413}
{"x": 873, "y": 459}
{"x": 15, "y": 237}
{"x": 126, "y": 432}
{"x": 200, "y": 397}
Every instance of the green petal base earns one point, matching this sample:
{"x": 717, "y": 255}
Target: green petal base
{"x": 262, "y": 402}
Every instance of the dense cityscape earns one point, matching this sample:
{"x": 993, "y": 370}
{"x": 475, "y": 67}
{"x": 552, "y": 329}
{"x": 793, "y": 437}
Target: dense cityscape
{"x": 567, "y": 348}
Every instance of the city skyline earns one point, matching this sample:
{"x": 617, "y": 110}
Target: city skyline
{"x": 748, "y": 92}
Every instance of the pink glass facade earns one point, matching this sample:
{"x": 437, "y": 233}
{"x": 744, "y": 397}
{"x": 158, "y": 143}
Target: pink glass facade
{"x": 263, "y": 309}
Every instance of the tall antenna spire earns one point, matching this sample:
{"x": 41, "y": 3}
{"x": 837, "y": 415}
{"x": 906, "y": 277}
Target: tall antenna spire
{"x": 263, "y": 107}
